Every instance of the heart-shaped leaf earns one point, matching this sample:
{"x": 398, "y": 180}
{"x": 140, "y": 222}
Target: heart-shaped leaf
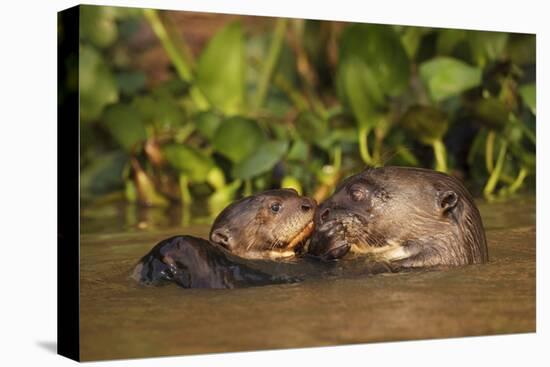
{"x": 486, "y": 46}
{"x": 97, "y": 25}
{"x": 207, "y": 122}
{"x": 445, "y": 77}
{"x": 361, "y": 90}
{"x": 189, "y": 161}
{"x": 221, "y": 70}
{"x": 263, "y": 160}
{"x": 97, "y": 86}
{"x": 237, "y": 138}
{"x": 125, "y": 125}
{"x": 528, "y": 93}
{"x": 380, "y": 48}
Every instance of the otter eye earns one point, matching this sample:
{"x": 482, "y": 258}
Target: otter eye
{"x": 275, "y": 207}
{"x": 357, "y": 194}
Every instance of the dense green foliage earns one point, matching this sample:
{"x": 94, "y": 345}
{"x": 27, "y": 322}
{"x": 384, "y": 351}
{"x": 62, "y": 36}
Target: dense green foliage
{"x": 302, "y": 106}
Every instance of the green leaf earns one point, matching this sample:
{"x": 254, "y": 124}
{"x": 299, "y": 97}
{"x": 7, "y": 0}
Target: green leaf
{"x": 237, "y": 138}
{"x": 528, "y": 93}
{"x": 291, "y": 182}
{"x": 263, "y": 160}
{"x": 221, "y": 70}
{"x": 522, "y": 48}
{"x": 299, "y": 151}
{"x": 216, "y": 178}
{"x": 448, "y": 39}
{"x": 361, "y": 90}
{"x": 162, "y": 111}
{"x": 145, "y": 191}
{"x": 492, "y": 112}
{"x": 338, "y": 136}
{"x": 445, "y": 77}
{"x": 310, "y": 127}
{"x": 97, "y": 86}
{"x": 125, "y": 125}
{"x": 411, "y": 39}
{"x": 222, "y": 197}
{"x": 168, "y": 113}
{"x": 103, "y": 174}
{"x": 380, "y": 48}
{"x": 130, "y": 82}
{"x": 188, "y": 161}
{"x": 486, "y": 46}
{"x": 97, "y": 24}
{"x": 428, "y": 124}
{"x": 207, "y": 123}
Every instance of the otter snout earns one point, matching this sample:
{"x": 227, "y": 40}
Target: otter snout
{"x": 327, "y": 248}
{"x": 328, "y": 241}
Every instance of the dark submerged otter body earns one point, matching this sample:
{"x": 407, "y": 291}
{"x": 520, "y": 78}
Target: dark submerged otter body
{"x": 193, "y": 262}
{"x": 269, "y": 225}
{"x": 407, "y": 217}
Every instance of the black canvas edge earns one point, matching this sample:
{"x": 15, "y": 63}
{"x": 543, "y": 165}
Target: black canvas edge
{"x": 68, "y": 190}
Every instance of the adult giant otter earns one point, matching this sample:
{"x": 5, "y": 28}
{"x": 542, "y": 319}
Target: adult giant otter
{"x": 269, "y": 225}
{"x": 407, "y": 217}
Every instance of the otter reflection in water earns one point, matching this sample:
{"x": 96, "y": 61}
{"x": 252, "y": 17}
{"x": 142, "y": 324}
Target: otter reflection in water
{"x": 271, "y": 225}
{"x": 407, "y": 217}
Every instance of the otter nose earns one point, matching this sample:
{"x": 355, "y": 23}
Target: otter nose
{"x": 307, "y": 205}
{"x": 324, "y": 215}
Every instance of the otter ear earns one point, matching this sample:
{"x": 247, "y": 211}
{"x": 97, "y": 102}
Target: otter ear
{"x": 222, "y": 237}
{"x": 447, "y": 201}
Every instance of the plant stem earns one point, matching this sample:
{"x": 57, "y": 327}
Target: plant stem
{"x": 476, "y": 146}
{"x": 297, "y": 97}
{"x": 176, "y": 57}
{"x": 179, "y": 41}
{"x": 186, "y": 200}
{"x": 519, "y": 180}
{"x": 183, "y": 133}
{"x": 247, "y": 187}
{"x": 337, "y": 157}
{"x": 271, "y": 62}
{"x": 407, "y": 155}
{"x": 183, "y": 69}
{"x": 300, "y": 102}
{"x": 528, "y": 133}
{"x": 514, "y": 186}
{"x": 377, "y": 149}
{"x": 362, "y": 139}
{"x": 495, "y": 175}
{"x": 317, "y": 105}
{"x": 440, "y": 156}
{"x": 489, "y": 149}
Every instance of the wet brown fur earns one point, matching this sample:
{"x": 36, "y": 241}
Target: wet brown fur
{"x": 251, "y": 229}
{"x": 410, "y": 217}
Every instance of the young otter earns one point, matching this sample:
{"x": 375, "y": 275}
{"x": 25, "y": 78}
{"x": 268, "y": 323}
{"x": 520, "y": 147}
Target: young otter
{"x": 408, "y": 217}
{"x": 268, "y": 225}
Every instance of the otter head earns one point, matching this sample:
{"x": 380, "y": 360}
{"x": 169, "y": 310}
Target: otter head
{"x": 407, "y": 216}
{"x": 271, "y": 224}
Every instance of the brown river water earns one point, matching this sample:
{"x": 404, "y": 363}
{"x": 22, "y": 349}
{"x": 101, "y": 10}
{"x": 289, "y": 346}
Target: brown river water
{"x": 121, "y": 319}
